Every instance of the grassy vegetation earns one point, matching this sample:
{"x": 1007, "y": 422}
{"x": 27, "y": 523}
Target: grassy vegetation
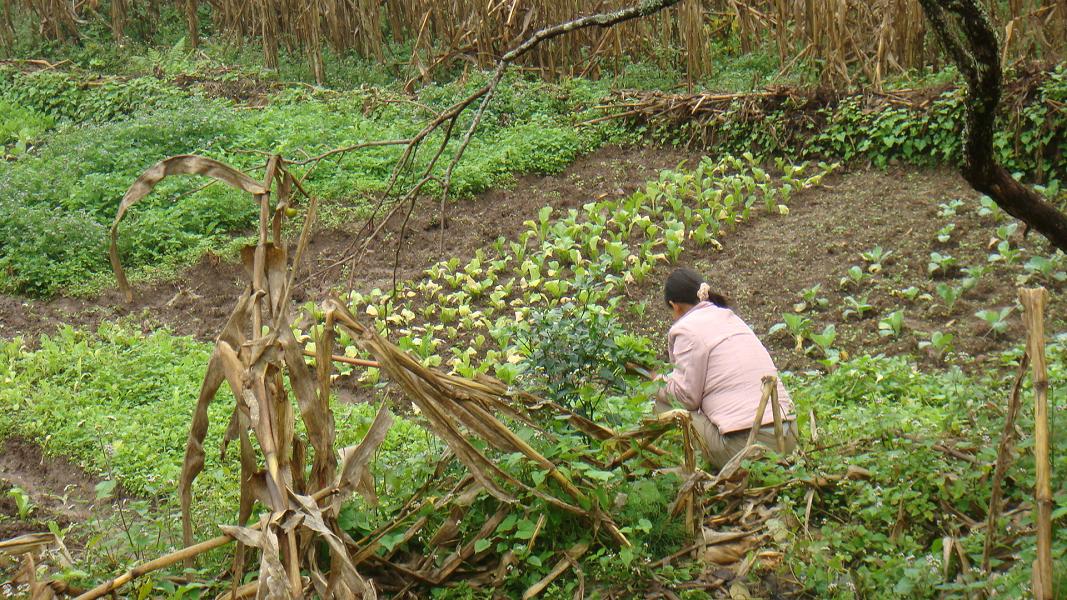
{"x": 118, "y": 401}
{"x": 540, "y": 312}
{"x": 106, "y": 135}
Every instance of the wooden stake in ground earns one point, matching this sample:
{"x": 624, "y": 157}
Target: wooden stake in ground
{"x": 1033, "y": 301}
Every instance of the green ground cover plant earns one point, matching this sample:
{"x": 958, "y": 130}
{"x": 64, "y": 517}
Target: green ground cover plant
{"x": 884, "y": 536}
{"x": 125, "y": 418}
{"x": 1031, "y": 141}
{"x": 20, "y": 127}
{"x": 106, "y": 135}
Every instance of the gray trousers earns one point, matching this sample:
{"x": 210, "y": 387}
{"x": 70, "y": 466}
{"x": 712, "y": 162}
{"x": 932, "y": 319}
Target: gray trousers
{"x": 723, "y": 447}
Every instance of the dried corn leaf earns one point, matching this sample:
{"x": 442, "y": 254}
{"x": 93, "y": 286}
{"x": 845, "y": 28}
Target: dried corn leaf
{"x": 354, "y": 459}
{"x": 273, "y": 580}
{"x": 343, "y": 568}
{"x": 176, "y": 165}
{"x": 223, "y": 365}
{"x": 30, "y": 542}
{"x": 457, "y": 558}
{"x": 725, "y": 554}
{"x": 316, "y": 414}
{"x": 569, "y": 559}
{"x": 220, "y": 363}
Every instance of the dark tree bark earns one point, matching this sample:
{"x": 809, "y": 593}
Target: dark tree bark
{"x": 192, "y": 21}
{"x": 964, "y": 29}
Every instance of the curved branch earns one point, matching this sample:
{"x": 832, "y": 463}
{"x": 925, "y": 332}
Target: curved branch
{"x": 964, "y": 29}
{"x": 602, "y": 20}
{"x": 485, "y": 93}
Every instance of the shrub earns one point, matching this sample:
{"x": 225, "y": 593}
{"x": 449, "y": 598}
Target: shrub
{"x": 573, "y": 355}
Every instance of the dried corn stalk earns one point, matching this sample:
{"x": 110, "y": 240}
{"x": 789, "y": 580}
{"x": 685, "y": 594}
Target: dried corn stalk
{"x": 254, "y": 353}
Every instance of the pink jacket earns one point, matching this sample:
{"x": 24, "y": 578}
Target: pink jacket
{"x": 718, "y": 364}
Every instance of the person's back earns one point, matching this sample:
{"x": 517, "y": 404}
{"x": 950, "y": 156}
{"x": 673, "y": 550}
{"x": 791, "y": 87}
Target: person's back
{"x": 736, "y": 362}
{"x": 719, "y": 366}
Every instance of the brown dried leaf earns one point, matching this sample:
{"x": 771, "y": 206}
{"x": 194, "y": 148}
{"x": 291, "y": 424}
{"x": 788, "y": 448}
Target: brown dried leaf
{"x": 341, "y": 561}
{"x": 175, "y": 165}
{"x": 316, "y": 414}
{"x": 30, "y": 542}
{"x": 354, "y": 459}
{"x": 725, "y": 554}
{"x": 194, "y": 446}
{"x": 273, "y": 580}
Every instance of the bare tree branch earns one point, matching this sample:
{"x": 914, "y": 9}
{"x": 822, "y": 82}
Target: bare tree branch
{"x": 366, "y": 236}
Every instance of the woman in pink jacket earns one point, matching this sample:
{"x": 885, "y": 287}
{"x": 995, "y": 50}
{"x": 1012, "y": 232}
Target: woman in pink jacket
{"x": 718, "y": 364}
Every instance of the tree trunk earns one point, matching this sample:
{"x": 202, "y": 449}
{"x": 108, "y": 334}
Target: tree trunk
{"x": 192, "y": 20}
{"x": 972, "y": 44}
{"x": 118, "y": 20}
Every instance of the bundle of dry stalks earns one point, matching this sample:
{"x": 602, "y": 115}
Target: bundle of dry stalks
{"x": 846, "y": 38}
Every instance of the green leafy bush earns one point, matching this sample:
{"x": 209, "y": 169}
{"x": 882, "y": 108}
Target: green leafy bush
{"x": 1031, "y": 140}
{"x": 43, "y": 249}
{"x": 65, "y": 97}
{"x": 577, "y": 354}
{"x": 60, "y": 200}
{"x": 20, "y": 125}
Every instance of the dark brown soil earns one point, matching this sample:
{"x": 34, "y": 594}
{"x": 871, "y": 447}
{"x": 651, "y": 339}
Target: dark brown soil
{"x": 765, "y": 265}
{"x": 200, "y": 300}
{"x": 476, "y": 225}
{"x": 767, "y": 262}
{"x": 58, "y": 490}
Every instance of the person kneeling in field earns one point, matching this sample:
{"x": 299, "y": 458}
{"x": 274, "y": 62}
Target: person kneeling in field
{"x": 718, "y": 366}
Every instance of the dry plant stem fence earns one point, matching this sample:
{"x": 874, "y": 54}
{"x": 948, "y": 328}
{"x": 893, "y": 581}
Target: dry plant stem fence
{"x": 873, "y": 38}
{"x": 1034, "y": 301}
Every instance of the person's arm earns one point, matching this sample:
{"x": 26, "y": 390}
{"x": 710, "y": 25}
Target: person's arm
{"x": 686, "y": 383}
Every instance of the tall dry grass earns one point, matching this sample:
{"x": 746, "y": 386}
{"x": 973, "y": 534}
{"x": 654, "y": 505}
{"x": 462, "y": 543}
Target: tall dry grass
{"x": 846, "y": 38}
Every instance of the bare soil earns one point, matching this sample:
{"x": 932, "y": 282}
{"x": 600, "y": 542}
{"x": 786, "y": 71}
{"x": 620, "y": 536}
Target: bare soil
{"x": 57, "y": 489}
{"x": 766, "y": 263}
{"x": 763, "y": 268}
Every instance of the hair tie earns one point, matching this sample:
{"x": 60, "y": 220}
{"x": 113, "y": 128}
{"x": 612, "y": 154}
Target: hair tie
{"x": 704, "y": 292}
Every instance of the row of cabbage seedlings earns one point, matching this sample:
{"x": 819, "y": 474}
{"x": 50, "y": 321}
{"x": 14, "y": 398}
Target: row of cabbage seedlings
{"x": 584, "y": 258}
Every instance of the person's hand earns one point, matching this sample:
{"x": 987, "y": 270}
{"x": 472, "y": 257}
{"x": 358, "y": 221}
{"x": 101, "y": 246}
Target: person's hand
{"x": 660, "y": 395}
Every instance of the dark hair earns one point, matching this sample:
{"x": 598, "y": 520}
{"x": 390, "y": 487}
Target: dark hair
{"x": 683, "y": 286}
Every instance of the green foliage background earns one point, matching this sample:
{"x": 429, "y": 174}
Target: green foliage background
{"x": 77, "y": 143}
